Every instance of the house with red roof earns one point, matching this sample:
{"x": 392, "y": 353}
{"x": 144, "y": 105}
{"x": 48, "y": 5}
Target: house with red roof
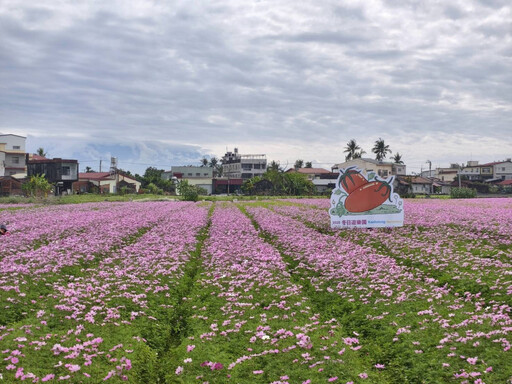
{"x": 105, "y": 182}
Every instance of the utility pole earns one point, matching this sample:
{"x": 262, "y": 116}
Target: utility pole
{"x": 430, "y": 174}
{"x": 100, "y": 165}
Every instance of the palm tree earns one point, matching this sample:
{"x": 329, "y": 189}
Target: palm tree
{"x": 351, "y": 149}
{"x": 358, "y": 155}
{"x": 41, "y": 152}
{"x": 204, "y": 162}
{"x": 380, "y": 149}
{"x": 213, "y": 162}
{"x": 397, "y": 159}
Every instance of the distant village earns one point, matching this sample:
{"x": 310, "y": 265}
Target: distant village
{"x": 235, "y": 171}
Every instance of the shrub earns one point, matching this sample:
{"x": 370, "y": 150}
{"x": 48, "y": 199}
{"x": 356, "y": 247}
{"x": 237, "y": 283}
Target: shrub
{"x": 462, "y": 193}
{"x": 189, "y": 192}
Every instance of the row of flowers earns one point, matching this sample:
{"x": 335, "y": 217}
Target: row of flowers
{"x": 414, "y": 313}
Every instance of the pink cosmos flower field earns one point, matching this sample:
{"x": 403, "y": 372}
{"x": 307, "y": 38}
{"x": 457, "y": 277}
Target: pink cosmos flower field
{"x": 255, "y": 292}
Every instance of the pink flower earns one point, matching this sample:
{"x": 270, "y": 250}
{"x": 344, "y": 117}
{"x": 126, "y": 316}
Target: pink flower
{"x": 472, "y": 360}
{"x": 258, "y": 372}
{"x": 363, "y": 375}
{"x": 190, "y": 348}
{"x": 179, "y": 370}
{"x": 380, "y": 366}
{"x": 72, "y": 367}
{"x": 331, "y": 379}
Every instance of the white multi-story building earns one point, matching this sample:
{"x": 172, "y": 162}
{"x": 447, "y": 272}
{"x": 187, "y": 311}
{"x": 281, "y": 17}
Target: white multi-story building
{"x": 237, "y": 166}
{"x": 12, "y": 154}
{"x": 471, "y": 170}
{"x": 199, "y": 176}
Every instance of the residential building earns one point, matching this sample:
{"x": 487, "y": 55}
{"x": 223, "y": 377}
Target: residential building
{"x": 323, "y": 180}
{"x": 238, "y": 166}
{"x": 12, "y": 154}
{"x": 10, "y": 186}
{"x": 228, "y": 185}
{"x": 503, "y": 170}
{"x": 487, "y": 171}
{"x": 199, "y": 176}
{"x": 381, "y": 168}
{"x": 414, "y": 184}
{"x": 105, "y": 182}
{"x": 311, "y": 173}
{"x": 471, "y": 171}
{"x": 447, "y": 174}
{"x": 429, "y": 174}
{"x": 59, "y": 172}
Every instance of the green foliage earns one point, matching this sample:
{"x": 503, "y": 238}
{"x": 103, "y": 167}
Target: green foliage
{"x": 154, "y": 176}
{"x": 298, "y": 164}
{"x": 462, "y": 193}
{"x": 190, "y": 192}
{"x": 41, "y": 152}
{"x": 153, "y": 188}
{"x": 37, "y": 186}
{"x": 290, "y": 183}
{"x": 144, "y": 365}
{"x": 380, "y": 149}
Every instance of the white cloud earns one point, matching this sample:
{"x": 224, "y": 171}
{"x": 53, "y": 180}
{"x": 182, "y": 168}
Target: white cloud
{"x": 290, "y": 79}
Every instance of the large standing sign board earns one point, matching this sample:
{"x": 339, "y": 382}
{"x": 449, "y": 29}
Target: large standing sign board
{"x": 365, "y": 201}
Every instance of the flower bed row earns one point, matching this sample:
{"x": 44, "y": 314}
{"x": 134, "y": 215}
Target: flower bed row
{"x": 251, "y": 323}
{"x": 441, "y": 334}
{"x": 105, "y": 320}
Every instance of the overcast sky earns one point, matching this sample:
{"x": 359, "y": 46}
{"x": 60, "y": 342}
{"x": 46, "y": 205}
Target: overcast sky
{"x": 162, "y": 83}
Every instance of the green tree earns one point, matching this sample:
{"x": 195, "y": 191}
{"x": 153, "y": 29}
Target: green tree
{"x": 89, "y": 169}
{"x": 274, "y": 166}
{"x": 204, "y": 162}
{"x": 152, "y": 175}
{"x": 213, "y": 162}
{"x": 397, "y": 158}
{"x": 309, "y": 164}
{"x": 41, "y": 152}
{"x": 358, "y": 155}
{"x": 351, "y": 149}
{"x": 297, "y": 184}
{"x": 37, "y": 186}
{"x": 380, "y": 149}
{"x": 216, "y": 165}
{"x": 298, "y": 164}
{"x": 189, "y": 192}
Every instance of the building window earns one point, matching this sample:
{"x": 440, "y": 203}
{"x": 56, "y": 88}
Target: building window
{"x": 16, "y": 147}
{"x": 198, "y": 174}
{"x": 205, "y": 174}
{"x": 16, "y": 160}
{"x": 257, "y": 166}
{"x": 189, "y": 174}
{"x": 503, "y": 169}
{"x": 66, "y": 171}
{"x": 246, "y": 167}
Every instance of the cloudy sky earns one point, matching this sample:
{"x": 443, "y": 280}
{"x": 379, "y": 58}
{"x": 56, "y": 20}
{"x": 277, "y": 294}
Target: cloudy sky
{"x": 162, "y": 83}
